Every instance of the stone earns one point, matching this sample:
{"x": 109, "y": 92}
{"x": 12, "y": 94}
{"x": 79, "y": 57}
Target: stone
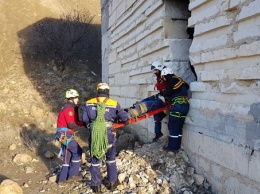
{"x": 22, "y": 158}
{"x": 12, "y": 147}
{"x": 28, "y": 170}
{"x": 49, "y": 155}
{"x": 10, "y": 187}
{"x": 199, "y": 179}
{"x": 25, "y": 185}
{"x": 121, "y": 177}
{"x": 53, "y": 178}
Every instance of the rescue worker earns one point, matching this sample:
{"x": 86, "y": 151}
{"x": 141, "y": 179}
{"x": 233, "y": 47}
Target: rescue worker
{"x": 91, "y": 117}
{"x": 70, "y": 149}
{"x": 157, "y": 67}
{"x": 176, "y": 94}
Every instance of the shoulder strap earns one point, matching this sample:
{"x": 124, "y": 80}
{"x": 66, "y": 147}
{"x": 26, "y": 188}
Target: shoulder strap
{"x": 98, "y": 100}
{"x": 179, "y": 83}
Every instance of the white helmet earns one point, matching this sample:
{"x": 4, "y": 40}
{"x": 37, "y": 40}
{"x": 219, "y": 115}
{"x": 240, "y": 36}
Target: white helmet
{"x": 102, "y": 86}
{"x": 166, "y": 71}
{"x": 157, "y": 65}
{"x": 71, "y": 93}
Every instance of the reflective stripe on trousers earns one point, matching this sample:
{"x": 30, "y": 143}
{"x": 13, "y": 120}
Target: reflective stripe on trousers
{"x": 96, "y": 177}
{"x": 177, "y": 117}
{"x": 71, "y": 160}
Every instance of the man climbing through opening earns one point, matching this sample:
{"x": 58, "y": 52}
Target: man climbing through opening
{"x": 176, "y": 94}
{"x": 70, "y": 149}
{"x": 99, "y": 114}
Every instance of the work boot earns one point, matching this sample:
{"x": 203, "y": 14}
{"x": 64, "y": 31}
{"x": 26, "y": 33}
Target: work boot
{"x": 75, "y": 178}
{"x": 96, "y": 189}
{"x": 167, "y": 149}
{"x": 112, "y": 186}
{"x": 157, "y": 136}
{"x": 63, "y": 183}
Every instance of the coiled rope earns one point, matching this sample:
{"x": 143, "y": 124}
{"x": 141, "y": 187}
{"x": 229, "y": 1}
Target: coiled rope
{"x": 99, "y": 140}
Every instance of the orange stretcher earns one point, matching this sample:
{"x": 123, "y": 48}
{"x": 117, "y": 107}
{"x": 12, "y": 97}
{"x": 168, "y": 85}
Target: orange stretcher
{"x": 142, "y": 117}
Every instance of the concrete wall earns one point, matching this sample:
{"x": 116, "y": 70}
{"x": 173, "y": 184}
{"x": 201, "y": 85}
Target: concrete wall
{"x": 222, "y": 133}
{"x": 134, "y": 34}
{"x": 222, "y": 130}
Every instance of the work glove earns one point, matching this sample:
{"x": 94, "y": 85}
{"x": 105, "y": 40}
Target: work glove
{"x": 161, "y": 98}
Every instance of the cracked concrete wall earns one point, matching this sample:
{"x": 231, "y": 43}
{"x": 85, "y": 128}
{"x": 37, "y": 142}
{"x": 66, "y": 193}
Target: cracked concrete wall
{"x": 222, "y": 130}
{"x": 134, "y": 34}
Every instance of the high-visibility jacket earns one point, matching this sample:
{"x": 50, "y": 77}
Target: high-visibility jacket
{"x": 176, "y": 87}
{"x": 113, "y": 112}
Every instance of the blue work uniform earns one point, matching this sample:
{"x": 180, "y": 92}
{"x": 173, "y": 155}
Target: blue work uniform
{"x": 113, "y": 113}
{"x": 66, "y": 123}
{"x": 176, "y": 93}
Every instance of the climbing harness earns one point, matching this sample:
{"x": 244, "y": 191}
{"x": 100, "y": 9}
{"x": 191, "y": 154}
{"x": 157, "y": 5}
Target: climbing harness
{"x": 180, "y": 100}
{"x": 64, "y": 135}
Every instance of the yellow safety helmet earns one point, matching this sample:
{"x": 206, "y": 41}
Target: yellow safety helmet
{"x": 102, "y": 86}
{"x": 71, "y": 93}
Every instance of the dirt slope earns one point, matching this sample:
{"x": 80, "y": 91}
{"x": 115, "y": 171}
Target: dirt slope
{"x": 26, "y": 82}
{"x": 32, "y": 91}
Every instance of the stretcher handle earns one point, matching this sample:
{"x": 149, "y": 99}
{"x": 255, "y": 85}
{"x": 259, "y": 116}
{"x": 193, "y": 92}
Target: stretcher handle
{"x": 142, "y": 117}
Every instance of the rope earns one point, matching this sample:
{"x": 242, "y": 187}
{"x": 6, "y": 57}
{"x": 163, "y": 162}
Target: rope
{"x": 99, "y": 140}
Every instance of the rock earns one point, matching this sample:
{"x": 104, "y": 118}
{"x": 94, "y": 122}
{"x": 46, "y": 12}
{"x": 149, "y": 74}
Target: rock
{"x": 25, "y": 185}
{"x": 121, "y": 177}
{"x": 10, "y": 187}
{"x": 54, "y": 68}
{"x": 184, "y": 156}
{"x": 49, "y": 155}
{"x": 12, "y": 147}
{"x": 2, "y": 107}
{"x": 28, "y": 170}
{"x": 53, "y": 178}
{"x": 22, "y": 158}
{"x": 36, "y": 112}
{"x": 132, "y": 184}
{"x": 189, "y": 179}
{"x": 175, "y": 181}
{"x": 83, "y": 158}
{"x": 190, "y": 171}
{"x": 199, "y": 179}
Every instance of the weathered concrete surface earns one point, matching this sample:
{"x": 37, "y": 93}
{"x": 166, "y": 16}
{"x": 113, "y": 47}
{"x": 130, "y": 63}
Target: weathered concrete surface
{"x": 221, "y": 133}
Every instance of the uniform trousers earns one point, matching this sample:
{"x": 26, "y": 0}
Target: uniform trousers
{"x": 71, "y": 160}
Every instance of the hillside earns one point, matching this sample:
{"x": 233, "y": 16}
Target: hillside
{"x": 33, "y": 88}
{"x": 34, "y": 77}
{"x": 33, "y": 84}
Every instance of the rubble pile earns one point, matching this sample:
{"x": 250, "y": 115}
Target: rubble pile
{"x": 148, "y": 169}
